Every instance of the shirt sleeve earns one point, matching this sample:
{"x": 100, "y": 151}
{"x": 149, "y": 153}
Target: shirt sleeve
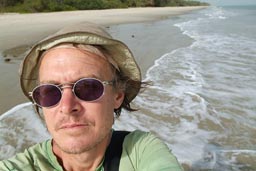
{"x": 19, "y": 162}
{"x": 145, "y": 152}
{"x": 36, "y": 158}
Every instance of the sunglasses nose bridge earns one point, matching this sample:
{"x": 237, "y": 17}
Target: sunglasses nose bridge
{"x": 67, "y": 96}
{"x": 61, "y": 87}
{"x": 67, "y": 86}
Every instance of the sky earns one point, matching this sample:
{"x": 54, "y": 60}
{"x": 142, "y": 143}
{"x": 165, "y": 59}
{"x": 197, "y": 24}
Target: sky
{"x": 230, "y": 2}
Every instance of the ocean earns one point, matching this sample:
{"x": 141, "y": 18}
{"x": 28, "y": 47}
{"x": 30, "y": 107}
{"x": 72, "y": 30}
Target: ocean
{"x": 202, "y": 100}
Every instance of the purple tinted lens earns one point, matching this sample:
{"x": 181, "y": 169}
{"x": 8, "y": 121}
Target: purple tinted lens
{"x": 89, "y": 89}
{"x": 47, "y": 95}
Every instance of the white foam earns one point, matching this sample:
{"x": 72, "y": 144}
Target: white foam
{"x": 20, "y": 127}
{"x": 177, "y": 85}
{"x": 14, "y": 109}
{"x": 217, "y": 13}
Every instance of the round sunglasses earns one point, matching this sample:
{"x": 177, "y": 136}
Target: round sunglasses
{"x": 86, "y": 89}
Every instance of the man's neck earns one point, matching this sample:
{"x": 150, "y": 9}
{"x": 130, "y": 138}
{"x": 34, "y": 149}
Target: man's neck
{"x": 87, "y": 161}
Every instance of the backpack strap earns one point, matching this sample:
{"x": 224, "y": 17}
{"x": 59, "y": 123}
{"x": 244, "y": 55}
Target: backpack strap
{"x": 114, "y": 151}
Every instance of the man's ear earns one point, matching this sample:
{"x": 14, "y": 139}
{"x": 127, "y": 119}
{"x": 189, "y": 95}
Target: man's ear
{"x": 119, "y": 98}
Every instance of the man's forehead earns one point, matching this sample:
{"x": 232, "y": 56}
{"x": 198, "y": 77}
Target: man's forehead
{"x": 89, "y": 50}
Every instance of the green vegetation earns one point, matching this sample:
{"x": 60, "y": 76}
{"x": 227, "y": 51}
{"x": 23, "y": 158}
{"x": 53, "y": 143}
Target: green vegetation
{"x": 28, "y": 6}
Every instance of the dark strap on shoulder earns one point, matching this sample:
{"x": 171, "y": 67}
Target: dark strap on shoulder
{"x": 114, "y": 151}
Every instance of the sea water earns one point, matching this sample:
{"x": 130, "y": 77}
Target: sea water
{"x": 203, "y": 98}
{"x": 202, "y": 101}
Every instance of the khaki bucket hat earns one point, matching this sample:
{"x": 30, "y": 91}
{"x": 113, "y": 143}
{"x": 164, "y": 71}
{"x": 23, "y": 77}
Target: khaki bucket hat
{"x": 85, "y": 33}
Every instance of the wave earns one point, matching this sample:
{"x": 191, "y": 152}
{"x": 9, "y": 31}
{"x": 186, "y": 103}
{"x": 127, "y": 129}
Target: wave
{"x": 20, "y": 127}
{"x": 203, "y": 89}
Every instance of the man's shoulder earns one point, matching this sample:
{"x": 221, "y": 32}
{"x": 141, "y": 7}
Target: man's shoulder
{"x": 139, "y": 137}
{"x": 145, "y": 151}
{"x": 28, "y": 160}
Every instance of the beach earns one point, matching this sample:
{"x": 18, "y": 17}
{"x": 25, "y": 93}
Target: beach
{"x": 18, "y": 32}
{"x": 201, "y": 64}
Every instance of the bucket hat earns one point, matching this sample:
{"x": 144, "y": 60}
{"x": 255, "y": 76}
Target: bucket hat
{"x": 85, "y": 33}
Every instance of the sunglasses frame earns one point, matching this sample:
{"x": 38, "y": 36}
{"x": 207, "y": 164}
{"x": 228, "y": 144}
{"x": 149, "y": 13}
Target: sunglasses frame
{"x": 60, "y": 87}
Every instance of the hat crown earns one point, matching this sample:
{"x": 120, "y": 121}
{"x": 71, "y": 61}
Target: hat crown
{"x": 84, "y": 27}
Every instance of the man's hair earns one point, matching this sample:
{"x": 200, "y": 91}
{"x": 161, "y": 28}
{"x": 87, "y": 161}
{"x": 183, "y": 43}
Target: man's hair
{"x": 124, "y": 83}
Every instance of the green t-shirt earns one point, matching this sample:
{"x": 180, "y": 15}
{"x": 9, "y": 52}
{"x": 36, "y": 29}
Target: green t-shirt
{"x": 141, "y": 152}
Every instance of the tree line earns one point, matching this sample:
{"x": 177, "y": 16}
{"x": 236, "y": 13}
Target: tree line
{"x": 30, "y": 6}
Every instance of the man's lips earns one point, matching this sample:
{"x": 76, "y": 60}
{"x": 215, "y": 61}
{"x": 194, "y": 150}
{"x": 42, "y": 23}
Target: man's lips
{"x": 74, "y": 125}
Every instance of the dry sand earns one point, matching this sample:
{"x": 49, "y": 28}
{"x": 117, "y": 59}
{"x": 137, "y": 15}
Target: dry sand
{"x": 25, "y": 29}
{"x": 19, "y": 31}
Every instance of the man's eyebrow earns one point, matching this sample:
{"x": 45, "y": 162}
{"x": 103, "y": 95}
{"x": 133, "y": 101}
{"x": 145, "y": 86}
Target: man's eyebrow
{"x": 57, "y": 82}
{"x": 49, "y": 82}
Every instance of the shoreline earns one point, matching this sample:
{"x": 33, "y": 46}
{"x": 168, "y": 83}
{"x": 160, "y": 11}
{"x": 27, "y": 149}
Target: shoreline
{"x": 26, "y": 29}
{"x": 121, "y": 24}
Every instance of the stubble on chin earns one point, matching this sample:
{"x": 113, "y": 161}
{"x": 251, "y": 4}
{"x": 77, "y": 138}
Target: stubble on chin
{"x": 82, "y": 147}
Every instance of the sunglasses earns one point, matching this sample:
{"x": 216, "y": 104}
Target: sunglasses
{"x": 86, "y": 89}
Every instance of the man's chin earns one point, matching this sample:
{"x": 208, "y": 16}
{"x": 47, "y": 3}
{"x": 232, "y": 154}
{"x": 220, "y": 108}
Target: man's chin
{"x": 75, "y": 147}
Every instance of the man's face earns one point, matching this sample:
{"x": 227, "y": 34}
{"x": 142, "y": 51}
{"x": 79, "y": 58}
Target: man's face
{"x": 75, "y": 125}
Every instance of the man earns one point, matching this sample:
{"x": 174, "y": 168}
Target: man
{"x": 79, "y": 77}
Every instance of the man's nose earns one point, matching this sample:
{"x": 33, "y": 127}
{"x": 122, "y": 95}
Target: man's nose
{"x": 69, "y": 104}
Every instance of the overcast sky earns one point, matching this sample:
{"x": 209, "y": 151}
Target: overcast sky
{"x": 230, "y": 2}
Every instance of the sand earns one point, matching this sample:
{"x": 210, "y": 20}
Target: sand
{"x": 18, "y": 32}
